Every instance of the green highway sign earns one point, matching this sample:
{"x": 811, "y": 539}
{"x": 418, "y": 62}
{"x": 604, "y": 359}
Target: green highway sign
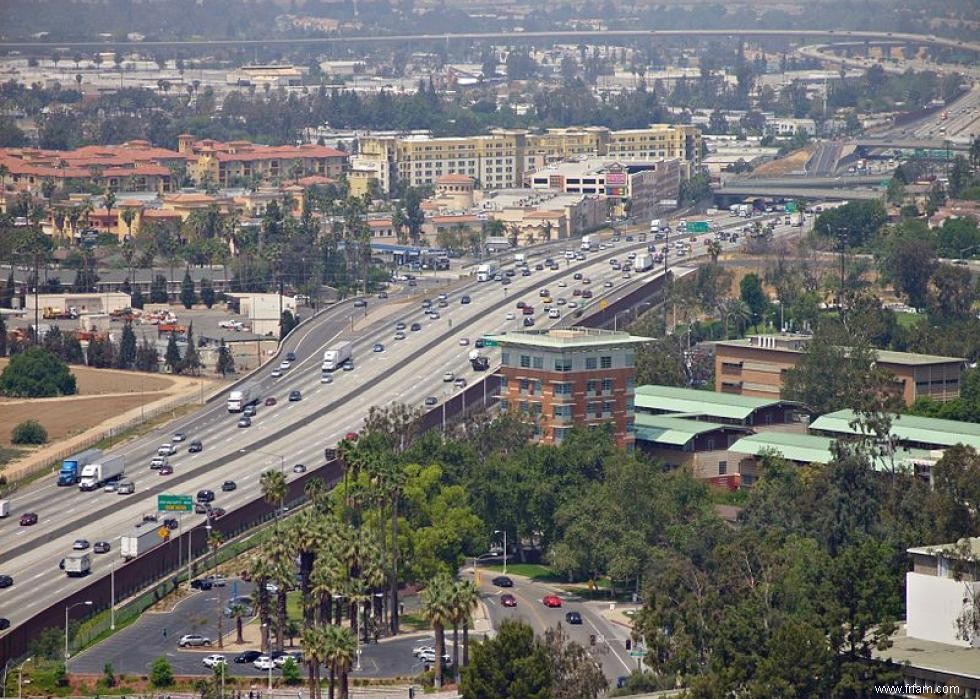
{"x": 697, "y": 226}
{"x": 175, "y": 503}
{"x": 790, "y": 207}
{"x": 638, "y": 653}
{"x": 487, "y": 342}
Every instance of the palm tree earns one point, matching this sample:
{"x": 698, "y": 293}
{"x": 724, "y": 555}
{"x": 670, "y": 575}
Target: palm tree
{"x": 4, "y": 171}
{"x": 465, "y": 599}
{"x": 238, "y": 612}
{"x": 739, "y": 311}
{"x": 214, "y": 541}
{"x": 714, "y": 250}
{"x": 304, "y": 538}
{"x": 260, "y": 570}
{"x": 128, "y": 216}
{"x": 436, "y": 609}
{"x": 281, "y": 575}
{"x": 316, "y": 491}
{"x": 273, "y": 486}
{"x": 314, "y": 652}
{"x": 109, "y": 201}
{"x": 324, "y": 584}
{"x": 389, "y": 479}
{"x": 340, "y": 646}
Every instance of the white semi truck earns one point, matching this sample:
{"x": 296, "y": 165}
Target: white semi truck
{"x": 334, "y": 357}
{"x": 241, "y": 397}
{"x": 107, "y": 470}
{"x": 486, "y": 272}
{"x": 590, "y": 242}
{"x": 78, "y": 564}
{"x": 643, "y": 262}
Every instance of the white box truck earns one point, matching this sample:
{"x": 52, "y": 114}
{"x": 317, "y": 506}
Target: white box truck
{"x": 140, "y": 540}
{"x": 239, "y": 398}
{"x": 4, "y": 508}
{"x": 334, "y": 357}
{"x": 643, "y": 262}
{"x": 107, "y": 470}
{"x": 78, "y": 564}
{"x": 590, "y": 242}
{"x": 655, "y": 225}
{"x": 520, "y": 259}
{"x": 486, "y": 272}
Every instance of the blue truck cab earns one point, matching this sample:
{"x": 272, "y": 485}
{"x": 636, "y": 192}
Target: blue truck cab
{"x": 71, "y": 468}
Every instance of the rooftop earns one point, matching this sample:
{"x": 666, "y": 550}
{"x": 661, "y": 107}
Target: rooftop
{"x": 930, "y": 655}
{"x": 690, "y": 401}
{"x": 569, "y": 338}
{"x": 675, "y": 431}
{"x": 970, "y": 547}
{"x": 790, "y": 342}
{"x": 809, "y": 448}
{"x": 908, "y": 428}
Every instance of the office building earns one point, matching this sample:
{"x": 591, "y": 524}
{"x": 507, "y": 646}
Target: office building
{"x": 570, "y": 377}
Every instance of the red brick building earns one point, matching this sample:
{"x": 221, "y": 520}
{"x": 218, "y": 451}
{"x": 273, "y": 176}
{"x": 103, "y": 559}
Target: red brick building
{"x": 570, "y": 377}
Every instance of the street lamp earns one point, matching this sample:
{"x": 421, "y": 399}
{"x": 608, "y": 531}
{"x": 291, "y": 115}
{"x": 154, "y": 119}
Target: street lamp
{"x": 504, "y": 532}
{"x": 68, "y": 608}
{"x": 20, "y": 680}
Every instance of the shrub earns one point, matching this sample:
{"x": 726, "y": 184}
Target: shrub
{"x": 36, "y": 373}
{"x": 29, "y": 432}
{"x": 161, "y": 674}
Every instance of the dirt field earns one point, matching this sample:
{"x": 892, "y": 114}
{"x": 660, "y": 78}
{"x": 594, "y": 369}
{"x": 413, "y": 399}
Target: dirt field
{"x": 791, "y": 162}
{"x": 95, "y": 382}
{"x": 66, "y": 417}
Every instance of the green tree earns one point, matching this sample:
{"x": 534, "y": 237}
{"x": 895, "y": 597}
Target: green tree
{"x": 340, "y": 652}
{"x": 207, "y": 293}
{"x": 951, "y": 293}
{"x": 36, "y": 373}
{"x": 512, "y": 664}
{"x": 147, "y": 357}
{"x": 188, "y": 297}
{"x": 191, "y": 362}
{"x": 171, "y": 357}
{"x": 161, "y": 674}
{"x": 574, "y": 675}
{"x": 158, "y": 289}
{"x": 437, "y": 609}
{"x": 290, "y": 673}
{"x": 287, "y": 323}
{"x": 858, "y": 221}
{"x": 29, "y": 432}
{"x": 752, "y": 294}
{"x": 226, "y": 363}
{"x": 127, "y": 348}
{"x": 908, "y": 260}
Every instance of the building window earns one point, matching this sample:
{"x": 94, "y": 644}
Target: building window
{"x": 505, "y": 358}
{"x": 631, "y": 385}
{"x": 525, "y": 361}
{"x": 722, "y": 468}
{"x": 606, "y": 362}
{"x": 524, "y": 385}
{"x": 561, "y": 433}
{"x": 607, "y": 408}
{"x": 607, "y": 384}
{"x": 563, "y": 364}
{"x": 538, "y": 362}
{"x": 522, "y": 406}
{"x": 503, "y": 404}
{"x": 590, "y": 386}
{"x": 590, "y": 363}
{"x": 563, "y": 411}
{"x": 629, "y": 360}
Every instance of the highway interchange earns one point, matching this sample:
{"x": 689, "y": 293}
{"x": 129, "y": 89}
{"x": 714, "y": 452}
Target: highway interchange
{"x": 407, "y": 371}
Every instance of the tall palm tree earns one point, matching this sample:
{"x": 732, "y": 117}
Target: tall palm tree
{"x": 261, "y": 570}
{"x": 281, "y": 575}
{"x": 4, "y": 171}
{"x": 238, "y": 613}
{"x": 214, "y": 541}
{"x": 316, "y": 491}
{"x": 314, "y": 652}
{"x": 325, "y": 584}
{"x": 340, "y": 653}
{"x": 389, "y": 478}
{"x": 465, "y": 599}
{"x": 304, "y": 538}
{"x": 128, "y": 216}
{"x": 273, "y": 486}
{"x": 436, "y": 609}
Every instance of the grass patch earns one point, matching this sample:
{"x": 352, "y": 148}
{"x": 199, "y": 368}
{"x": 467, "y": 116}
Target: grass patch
{"x": 724, "y": 496}
{"x": 906, "y": 320}
{"x": 8, "y": 454}
{"x": 534, "y": 571}
{"x": 412, "y": 622}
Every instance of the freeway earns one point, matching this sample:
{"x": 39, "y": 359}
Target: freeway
{"x": 509, "y": 36}
{"x": 407, "y": 371}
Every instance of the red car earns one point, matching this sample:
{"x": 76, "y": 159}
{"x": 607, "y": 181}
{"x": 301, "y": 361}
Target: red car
{"x": 28, "y": 519}
{"x": 551, "y": 601}
{"x": 508, "y": 600}
{"x": 528, "y": 310}
{"x": 271, "y": 400}
{"x": 166, "y": 470}
{"x": 352, "y": 436}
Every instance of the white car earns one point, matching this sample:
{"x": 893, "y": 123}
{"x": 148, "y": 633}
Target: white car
{"x": 166, "y": 450}
{"x": 109, "y": 488}
{"x": 554, "y": 313}
{"x": 511, "y": 316}
{"x": 214, "y": 660}
{"x": 284, "y": 364}
{"x": 562, "y": 283}
{"x": 276, "y": 373}
{"x": 424, "y": 648}
{"x": 430, "y": 657}
{"x": 264, "y": 662}
{"x": 448, "y": 376}
{"x": 464, "y": 341}
{"x": 326, "y": 378}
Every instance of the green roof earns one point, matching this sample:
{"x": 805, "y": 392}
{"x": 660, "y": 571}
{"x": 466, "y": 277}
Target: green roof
{"x": 567, "y": 338}
{"x": 908, "y": 428}
{"x": 665, "y": 429}
{"x": 906, "y": 358}
{"x": 690, "y": 401}
{"x": 808, "y": 448}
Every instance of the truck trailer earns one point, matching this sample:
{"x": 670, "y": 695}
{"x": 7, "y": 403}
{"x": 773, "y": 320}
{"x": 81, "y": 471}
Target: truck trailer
{"x": 107, "y": 470}
{"x": 140, "y": 540}
{"x": 71, "y": 468}
{"x": 590, "y": 242}
{"x": 334, "y": 357}
{"x": 643, "y": 262}
{"x": 486, "y": 272}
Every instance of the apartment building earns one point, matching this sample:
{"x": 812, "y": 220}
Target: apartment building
{"x": 502, "y": 158}
{"x": 562, "y": 378}
{"x": 757, "y": 365}
{"x": 944, "y": 579}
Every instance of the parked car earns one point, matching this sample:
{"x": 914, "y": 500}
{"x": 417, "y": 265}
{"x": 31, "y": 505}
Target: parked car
{"x": 551, "y": 601}
{"x": 193, "y": 639}
{"x": 214, "y": 660}
{"x": 247, "y": 656}
{"x": 264, "y": 662}
{"x": 201, "y": 584}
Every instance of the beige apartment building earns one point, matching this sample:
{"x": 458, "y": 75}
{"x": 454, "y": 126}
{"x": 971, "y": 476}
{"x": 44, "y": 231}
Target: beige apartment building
{"x": 501, "y": 159}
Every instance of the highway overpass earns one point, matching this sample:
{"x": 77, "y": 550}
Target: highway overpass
{"x": 603, "y": 36}
{"x": 798, "y": 192}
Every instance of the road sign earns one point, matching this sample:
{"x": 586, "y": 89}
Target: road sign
{"x": 487, "y": 342}
{"x": 175, "y": 503}
{"x": 697, "y": 226}
{"x": 638, "y": 653}
{"x": 790, "y": 207}
{"x": 163, "y": 532}
{"x": 603, "y": 303}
